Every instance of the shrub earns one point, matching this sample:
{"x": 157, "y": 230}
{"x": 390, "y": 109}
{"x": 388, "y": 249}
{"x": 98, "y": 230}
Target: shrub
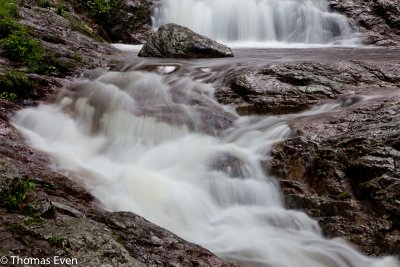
{"x": 8, "y": 26}
{"x": 22, "y": 48}
{"x": 13, "y": 199}
{"x": 14, "y": 84}
{"x": 102, "y": 10}
{"x": 8, "y": 8}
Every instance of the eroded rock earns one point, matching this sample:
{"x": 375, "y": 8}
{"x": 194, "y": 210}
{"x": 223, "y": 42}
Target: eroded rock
{"x": 343, "y": 170}
{"x": 175, "y": 41}
{"x": 290, "y": 88}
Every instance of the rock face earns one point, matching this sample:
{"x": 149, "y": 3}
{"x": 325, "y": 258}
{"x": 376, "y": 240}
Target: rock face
{"x": 175, "y": 41}
{"x": 378, "y": 20}
{"x": 343, "y": 170}
{"x": 289, "y": 88}
{"x": 342, "y": 167}
{"x": 132, "y": 23}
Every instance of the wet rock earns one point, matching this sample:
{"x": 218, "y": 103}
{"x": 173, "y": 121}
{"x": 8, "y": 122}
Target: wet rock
{"x": 343, "y": 170}
{"x": 132, "y": 23}
{"x": 378, "y": 21}
{"x": 64, "y": 40}
{"x": 290, "y": 88}
{"x": 175, "y": 41}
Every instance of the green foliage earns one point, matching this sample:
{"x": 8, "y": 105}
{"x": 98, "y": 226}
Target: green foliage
{"x": 119, "y": 238}
{"x": 62, "y": 9}
{"x": 13, "y": 199}
{"x": 8, "y": 9}
{"x": 22, "y": 48}
{"x": 14, "y": 84}
{"x": 102, "y": 10}
{"x": 43, "y": 3}
{"x": 8, "y": 26}
{"x": 8, "y": 96}
{"x": 76, "y": 56}
{"x": 57, "y": 241}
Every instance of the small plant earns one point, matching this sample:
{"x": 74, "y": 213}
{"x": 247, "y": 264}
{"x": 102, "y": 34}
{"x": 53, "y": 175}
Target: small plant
{"x": 13, "y": 199}
{"x": 15, "y": 84}
{"x": 76, "y": 56}
{"x": 8, "y": 8}
{"x": 119, "y": 238}
{"x": 22, "y": 48}
{"x": 62, "y": 9}
{"x": 57, "y": 241}
{"x": 102, "y": 10}
{"x": 44, "y": 3}
{"x": 9, "y": 26}
{"x": 8, "y": 96}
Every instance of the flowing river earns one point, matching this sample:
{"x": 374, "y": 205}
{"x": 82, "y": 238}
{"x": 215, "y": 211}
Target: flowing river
{"x": 158, "y": 144}
{"x": 150, "y": 138}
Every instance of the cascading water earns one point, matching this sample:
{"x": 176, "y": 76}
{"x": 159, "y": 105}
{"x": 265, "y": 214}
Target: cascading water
{"x": 294, "y": 21}
{"x": 143, "y": 143}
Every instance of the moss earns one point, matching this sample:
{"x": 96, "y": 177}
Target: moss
{"x": 8, "y": 8}
{"x": 15, "y": 82}
{"x": 44, "y": 3}
{"x": 33, "y": 221}
{"x": 57, "y": 241}
{"x": 49, "y": 185}
{"x": 14, "y": 199}
{"x": 62, "y": 10}
{"x": 102, "y": 11}
{"x": 119, "y": 238}
{"x": 9, "y": 26}
{"x": 22, "y": 48}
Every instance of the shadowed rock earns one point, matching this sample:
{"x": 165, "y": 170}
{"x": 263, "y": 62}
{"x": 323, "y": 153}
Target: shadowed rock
{"x": 175, "y": 41}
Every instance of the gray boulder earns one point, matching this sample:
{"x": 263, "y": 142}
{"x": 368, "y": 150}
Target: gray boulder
{"x": 175, "y": 41}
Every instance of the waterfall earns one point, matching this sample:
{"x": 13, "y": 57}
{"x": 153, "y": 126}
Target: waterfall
{"x": 142, "y": 143}
{"x": 293, "y": 21}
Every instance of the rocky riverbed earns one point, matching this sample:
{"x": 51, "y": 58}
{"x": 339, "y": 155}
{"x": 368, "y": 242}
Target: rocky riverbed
{"x": 341, "y": 168}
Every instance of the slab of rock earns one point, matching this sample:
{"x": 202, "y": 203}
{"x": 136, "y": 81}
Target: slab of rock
{"x": 294, "y": 87}
{"x": 175, "y": 41}
{"x": 342, "y": 169}
{"x": 377, "y": 20}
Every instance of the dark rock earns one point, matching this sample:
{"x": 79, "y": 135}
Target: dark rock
{"x": 175, "y": 41}
{"x": 132, "y": 23}
{"x": 343, "y": 170}
{"x": 289, "y": 88}
{"x": 377, "y": 20}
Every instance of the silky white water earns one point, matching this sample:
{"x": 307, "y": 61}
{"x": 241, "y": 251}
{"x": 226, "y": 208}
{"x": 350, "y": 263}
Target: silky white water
{"x": 140, "y": 143}
{"x": 249, "y": 21}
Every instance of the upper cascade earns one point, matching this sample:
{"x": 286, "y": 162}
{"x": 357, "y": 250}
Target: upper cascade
{"x": 293, "y": 21}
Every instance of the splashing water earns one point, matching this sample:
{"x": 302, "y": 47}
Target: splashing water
{"x": 142, "y": 144}
{"x": 293, "y": 21}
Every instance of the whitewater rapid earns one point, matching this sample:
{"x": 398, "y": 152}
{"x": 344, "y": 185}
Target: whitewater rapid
{"x": 255, "y": 22}
{"x": 149, "y": 144}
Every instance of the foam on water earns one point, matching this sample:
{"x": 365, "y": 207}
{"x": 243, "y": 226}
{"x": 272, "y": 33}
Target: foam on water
{"x": 140, "y": 144}
{"x": 259, "y": 21}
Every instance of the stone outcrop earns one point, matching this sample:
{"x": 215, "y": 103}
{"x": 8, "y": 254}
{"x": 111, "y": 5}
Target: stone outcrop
{"x": 132, "y": 23}
{"x": 175, "y": 41}
{"x": 342, "y": 169}
{"x": 290, "y": 88}
{"x": 378, "y": 21}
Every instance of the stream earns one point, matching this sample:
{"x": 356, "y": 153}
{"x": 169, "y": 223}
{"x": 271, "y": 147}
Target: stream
{"x": 149, "y": 137}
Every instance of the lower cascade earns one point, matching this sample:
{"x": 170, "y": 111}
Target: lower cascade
{"x": 294, "y": 21}
{"x": 142, "y": 143}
